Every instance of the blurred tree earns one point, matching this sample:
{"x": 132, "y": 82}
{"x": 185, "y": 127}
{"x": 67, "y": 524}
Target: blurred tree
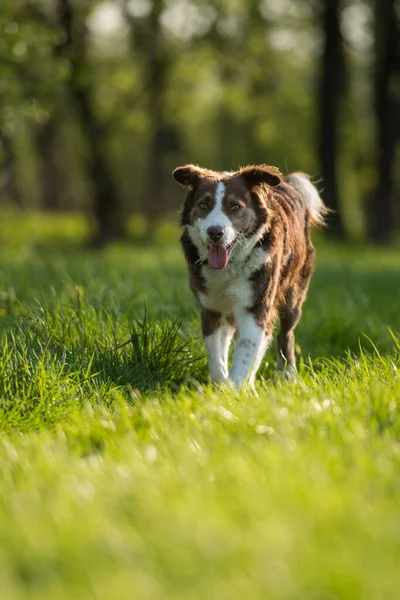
{"x": 9, "y": 187}
{"x": 381, "y": 215}
{"x": 45, "y": 126}
{"x": 239, "y": 40}
{"x": 330, "y": 92}
{"x": 73, "y": 47}
{"x": 149, "y": 45}
{"x": 225, "y": 39}
{"x": 28, "y": 76}
{"x": 102, "y": 98}
{"x": 45, "y": 139}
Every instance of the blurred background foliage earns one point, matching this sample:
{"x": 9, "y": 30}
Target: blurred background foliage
{"x": 100, "y": 100}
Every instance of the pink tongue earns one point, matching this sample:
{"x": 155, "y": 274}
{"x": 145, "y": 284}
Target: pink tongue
{"x": 217, "y": 257}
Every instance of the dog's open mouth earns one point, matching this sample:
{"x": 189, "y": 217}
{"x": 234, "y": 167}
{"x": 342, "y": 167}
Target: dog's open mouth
{"x": 218, "y": 256}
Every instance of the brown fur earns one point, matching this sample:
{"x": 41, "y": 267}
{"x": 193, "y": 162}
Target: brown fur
{"x": 280, "y": 285}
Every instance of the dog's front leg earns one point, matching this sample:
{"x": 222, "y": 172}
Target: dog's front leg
{"x": 251, "y": 345}
{"x": 217, "y": 333}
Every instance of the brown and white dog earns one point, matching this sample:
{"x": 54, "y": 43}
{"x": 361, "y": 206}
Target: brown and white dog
{"x": 247, "y": 244}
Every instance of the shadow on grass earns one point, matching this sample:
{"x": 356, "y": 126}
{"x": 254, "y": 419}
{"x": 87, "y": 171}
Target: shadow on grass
{"x": 51, "y": 361}
{"x": 348, "y": 306}
{"x": 156, "y": 356}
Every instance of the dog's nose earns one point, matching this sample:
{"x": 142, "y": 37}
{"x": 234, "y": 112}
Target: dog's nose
{"x": 215, "y": 233}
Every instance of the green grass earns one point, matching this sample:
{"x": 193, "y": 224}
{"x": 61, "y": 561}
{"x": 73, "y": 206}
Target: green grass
{"x": 124, "y": 475}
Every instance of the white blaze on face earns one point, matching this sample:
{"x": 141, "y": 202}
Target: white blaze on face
{"x": 217, "y": 218}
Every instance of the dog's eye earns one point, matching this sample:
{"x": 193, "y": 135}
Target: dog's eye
{"x": 236, "y": 207}
{"x": 203, "y": 205}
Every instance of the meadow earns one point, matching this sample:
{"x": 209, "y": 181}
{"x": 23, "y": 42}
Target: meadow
{"x": 123, "y": 474}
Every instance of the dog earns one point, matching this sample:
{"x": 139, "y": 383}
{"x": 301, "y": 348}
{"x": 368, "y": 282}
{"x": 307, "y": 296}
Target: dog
{"x": 246, "y": 241}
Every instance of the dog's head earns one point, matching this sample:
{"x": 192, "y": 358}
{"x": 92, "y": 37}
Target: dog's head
{"x": 224, "y": 209}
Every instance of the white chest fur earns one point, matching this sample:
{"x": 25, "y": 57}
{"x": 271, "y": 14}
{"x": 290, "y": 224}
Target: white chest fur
{"x": 230, "y": 289}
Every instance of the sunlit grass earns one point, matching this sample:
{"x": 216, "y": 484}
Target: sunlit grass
{"x": 124, "y": 475}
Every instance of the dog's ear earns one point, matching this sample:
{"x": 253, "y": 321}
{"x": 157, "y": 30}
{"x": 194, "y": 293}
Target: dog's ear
{"x": 188, "y": 175}
{"x": 256, "y": 174}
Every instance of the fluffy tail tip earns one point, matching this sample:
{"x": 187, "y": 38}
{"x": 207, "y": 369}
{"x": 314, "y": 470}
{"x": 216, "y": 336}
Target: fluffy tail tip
{"x": 311, "y": 198}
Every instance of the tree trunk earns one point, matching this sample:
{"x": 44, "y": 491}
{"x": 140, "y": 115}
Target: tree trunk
{"x": 157, "y": 71}
{"x": 9, "y": 171}
{"x": 387, "y": 107}
{"x": 49, "y": 176}
{"x": 331, "y": 87}
{"x": 148, "y": 44}
{"x": 107, "y": 206}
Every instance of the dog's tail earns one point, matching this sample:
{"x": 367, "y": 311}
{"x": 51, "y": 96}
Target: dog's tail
{"x": 310, "y": 197}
